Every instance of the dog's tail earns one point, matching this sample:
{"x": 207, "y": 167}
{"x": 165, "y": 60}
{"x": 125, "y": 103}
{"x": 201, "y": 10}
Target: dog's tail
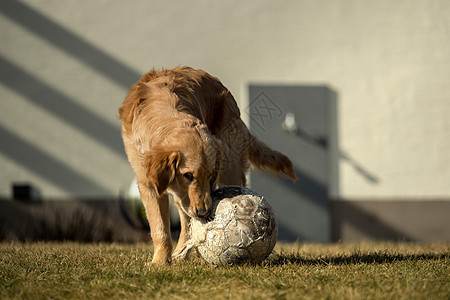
{"x": 266, "y": 159}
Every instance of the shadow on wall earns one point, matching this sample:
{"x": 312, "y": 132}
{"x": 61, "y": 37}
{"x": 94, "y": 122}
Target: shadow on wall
{"x": 322, "y": 142}
{"x": 61, "y": 106}
{"x": 91, "y": 56}
{"x": 48, "y": 167}
{"x": 43, "y": 95}
{"x": 57, "y": 103}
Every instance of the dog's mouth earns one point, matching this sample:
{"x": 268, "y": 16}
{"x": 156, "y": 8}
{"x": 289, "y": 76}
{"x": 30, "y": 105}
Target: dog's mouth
{"x": 193, "y": 215}
{"x": 188, "y": 212}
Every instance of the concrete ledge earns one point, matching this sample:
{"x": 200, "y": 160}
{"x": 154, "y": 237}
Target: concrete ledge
{"x": 111, "y": 220}
{"x": 416, "y": 221}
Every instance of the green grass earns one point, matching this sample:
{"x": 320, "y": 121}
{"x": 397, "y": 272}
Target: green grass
{"x": 297, "y": 271}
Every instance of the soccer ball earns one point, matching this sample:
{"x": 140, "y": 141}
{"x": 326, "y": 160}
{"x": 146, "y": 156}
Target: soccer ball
{"x": 243, "y": 228}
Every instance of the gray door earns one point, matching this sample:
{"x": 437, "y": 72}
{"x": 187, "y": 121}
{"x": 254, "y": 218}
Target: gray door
{"x": 299, "y": 121}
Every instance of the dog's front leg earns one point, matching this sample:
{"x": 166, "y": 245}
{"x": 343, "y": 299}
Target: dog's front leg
{"x": 184, "y": 222}
{"x": 157, "y": 210}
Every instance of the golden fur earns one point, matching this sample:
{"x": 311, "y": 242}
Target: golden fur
{"x": 183, "y": 135}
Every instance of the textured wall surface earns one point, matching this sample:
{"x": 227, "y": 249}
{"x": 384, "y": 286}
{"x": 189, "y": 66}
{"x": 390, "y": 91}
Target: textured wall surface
{"x": 65, "y": 68}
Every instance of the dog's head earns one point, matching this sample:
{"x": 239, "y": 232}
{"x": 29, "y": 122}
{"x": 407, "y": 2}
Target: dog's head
{"x": 188, "y": 168}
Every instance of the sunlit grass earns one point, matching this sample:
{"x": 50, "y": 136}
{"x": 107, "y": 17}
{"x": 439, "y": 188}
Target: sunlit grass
{"x": 294, "y": 271}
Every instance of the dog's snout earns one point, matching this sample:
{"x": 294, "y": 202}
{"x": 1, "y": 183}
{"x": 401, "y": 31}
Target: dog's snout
{"x": 202, "y": 213}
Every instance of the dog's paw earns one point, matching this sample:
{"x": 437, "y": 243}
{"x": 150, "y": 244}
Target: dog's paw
{"x": 182, "y": 253}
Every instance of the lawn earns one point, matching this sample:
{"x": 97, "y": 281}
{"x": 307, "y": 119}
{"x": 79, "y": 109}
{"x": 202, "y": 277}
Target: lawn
{"x": 295, "y": 271}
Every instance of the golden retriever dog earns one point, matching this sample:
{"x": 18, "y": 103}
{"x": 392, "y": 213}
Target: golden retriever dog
{"x": 184, "y": 137}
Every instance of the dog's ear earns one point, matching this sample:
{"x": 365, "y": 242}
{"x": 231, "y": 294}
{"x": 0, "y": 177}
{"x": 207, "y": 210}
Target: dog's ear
{"x": 161, "y": 166}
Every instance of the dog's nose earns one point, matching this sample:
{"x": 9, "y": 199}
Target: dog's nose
{"x": 202, "y": 213}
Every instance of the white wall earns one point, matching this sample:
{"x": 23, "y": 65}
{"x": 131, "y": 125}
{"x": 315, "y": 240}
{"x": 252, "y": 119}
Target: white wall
{"x": 388, "y": 61}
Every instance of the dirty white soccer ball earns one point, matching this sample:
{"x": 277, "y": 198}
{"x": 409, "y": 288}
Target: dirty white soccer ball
{"x": 243, "y": 228}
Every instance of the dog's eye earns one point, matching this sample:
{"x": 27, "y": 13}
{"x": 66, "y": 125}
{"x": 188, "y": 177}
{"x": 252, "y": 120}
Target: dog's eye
{"x": 189, "y": 176}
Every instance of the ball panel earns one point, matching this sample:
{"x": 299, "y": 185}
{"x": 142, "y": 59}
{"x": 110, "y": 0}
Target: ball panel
{"x": 238, "y": 234}
{"x": 222, "y": 214}
{"x": 234, "y": 256}
{"x": 259, "y": 250}
{"x": 264, "y": 221}
{"x": 213, "y": 244}
{"x": 243, "y": 205}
